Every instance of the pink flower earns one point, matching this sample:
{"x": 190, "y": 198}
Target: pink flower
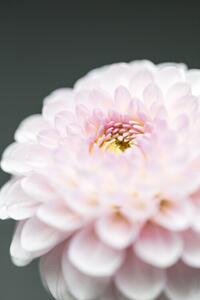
{"x": 106, "y": 185}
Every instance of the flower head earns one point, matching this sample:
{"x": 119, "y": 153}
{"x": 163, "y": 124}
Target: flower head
{"x": 105, "y": 185}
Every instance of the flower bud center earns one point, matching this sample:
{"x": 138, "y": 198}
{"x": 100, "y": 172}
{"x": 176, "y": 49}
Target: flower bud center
{"x": 119, "y": 136}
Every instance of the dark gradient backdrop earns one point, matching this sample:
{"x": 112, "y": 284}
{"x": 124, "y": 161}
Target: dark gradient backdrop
{"x": 49, "y": 44}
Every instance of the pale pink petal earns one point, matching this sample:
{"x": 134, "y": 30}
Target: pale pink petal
{"x": 191, "y": 252}
{"x": 196, "y": 203}
{"x": 3, "y": 198}
{"x": 121, "y": 232}
{"x": 153, "y": 100}
{"x": 108, "y": 80}
{"x": 14, "y": 203}
{"x": 99, "y": 99}
{"x": 181, "y": 122}
{"x": 169, "y": 75}
{"x": 37, "y": 236}
{"x": 140, "y": 81}
{"x": 177, "y": 91}
{"x": 29, "y": 128}
{"x": 82, "y": 113}
{"x": 13, "y": 159}
{"x": 122, "y": 99}
{"x": 81, "y": 286}
{"x": 52, "y": 275}
{"x": 59, "y": 217}
{"x": 138, "y": 280}
{"x": 82, "y": 203}
{"x": 158, "y": 246}
{"x": 151, "y": 95}
{"x": 3, "y": 212}
{"x": 19, "y": 205}
{"x": 140, "y": 210}
{"x": 92, "y": 257}
{"x": 48, "y": 138}
{"x": 52, "y": 109}
{"x": 177, "y": 216}
{"x": 62, "y": 121}
{"x": 137, "y": 65}
{"x": 20, "y": 256}
{"x": 187, "y": 105}
{"x": 59, "y": 100}
{"x": 22, "y": 158}
{"x": 193, "y": 78}
{"x": 37, "y": 187}
{"x": 58, "y": 95}
{"x": 183, "y": 282}
{"x": 37, "y": 156}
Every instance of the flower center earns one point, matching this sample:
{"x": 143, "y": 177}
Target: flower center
{"x": 119, "y": 136}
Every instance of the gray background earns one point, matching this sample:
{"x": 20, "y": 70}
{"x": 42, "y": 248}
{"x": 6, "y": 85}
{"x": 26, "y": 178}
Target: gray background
{"x": 50, "y": 44}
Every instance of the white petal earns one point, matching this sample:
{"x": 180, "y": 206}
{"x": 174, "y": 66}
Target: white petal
{"x": 59, "y": 94}
{"x": 91, "y": 256}
{"x": 48, "y": 138}
{"x": 177, "y": 91}
{"x": 59, "y": 217}
{"x": 181, "y": 122}
{"x": 82, "y": 113}
{"x": 50, "y": 110}
{"x": 158, "y": 246}
{"x": 37, "y": 187}
{"x": 193, "y": 77}
{"x": 153, "y": 100}
{"x": 108, "y": 80}
{"x": 13, "y": 159}
{"x": 196, "y": 219}
{"x": 37, "y": 156}
{"x": 22, "y": 158}
{"x": 78, "y": 201}
{"x": 187, "y": 105}
{"x": 138, "y": 280}
{"x": 120, "y": 234}
{"x": 178, "y": 216}
{"x": 52, "y": 275}
{"x": 167, "y": 76}
{"x": 137, "y": 65}
{"x": 37, "y": 236}
{"x": 152, "y": 94}
{"x": 122, "y": 99}
{"x": 20, "y": 257}
{"x": 62, "y": 121}
{"x": 81, "y": 286}
{"x": 29, "y": 128}
{"x": 191, "y": 253}
{"x": 3, "y": 199}
{"x": 183, "y": 283}
{"x": 3, "y": 213}
{"x": 140, "y": 81}
{"x": 19, "y": 205}
{"x": 99, "y": 99}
